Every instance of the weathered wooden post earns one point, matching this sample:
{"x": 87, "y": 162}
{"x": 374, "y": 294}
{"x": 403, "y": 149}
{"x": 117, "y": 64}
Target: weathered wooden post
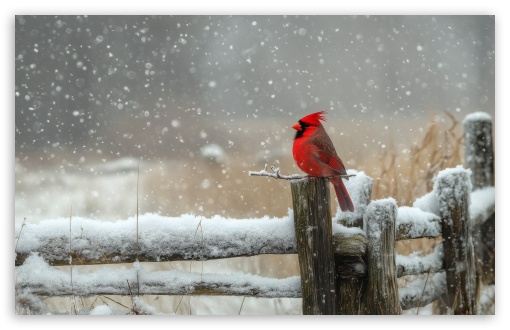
{"x": 382, "y": 290}
{"x": 351, "y": 286}
{"x": 479, "y": 158}
{"x": 452, "y": 188}
{"x": 479, "y": 148}
{"x": 314, "y": 238}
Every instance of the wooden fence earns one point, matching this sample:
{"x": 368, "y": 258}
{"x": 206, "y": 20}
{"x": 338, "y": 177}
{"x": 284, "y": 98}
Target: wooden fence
{"x": 347, "y": 266}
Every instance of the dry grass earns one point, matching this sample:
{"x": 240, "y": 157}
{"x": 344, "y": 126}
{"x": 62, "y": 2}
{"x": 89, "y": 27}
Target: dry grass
{"x": 407, "y": 175}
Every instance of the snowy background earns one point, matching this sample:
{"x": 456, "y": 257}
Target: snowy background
{"x": 164, "y": 86}
{"x": 202, "y": 100}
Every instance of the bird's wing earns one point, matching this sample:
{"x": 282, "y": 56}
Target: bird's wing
{"x": 336, "y": 163}
{"x": 327, "y": 154}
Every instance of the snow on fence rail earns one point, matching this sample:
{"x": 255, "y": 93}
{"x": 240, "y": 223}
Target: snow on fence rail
{"x": 357, "y": 251}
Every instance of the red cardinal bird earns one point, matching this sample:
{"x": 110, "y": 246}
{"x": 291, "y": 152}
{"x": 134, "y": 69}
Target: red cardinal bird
{"x": 315, "y": 155}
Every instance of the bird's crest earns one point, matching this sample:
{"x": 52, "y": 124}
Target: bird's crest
{"x": 314, "y": 118}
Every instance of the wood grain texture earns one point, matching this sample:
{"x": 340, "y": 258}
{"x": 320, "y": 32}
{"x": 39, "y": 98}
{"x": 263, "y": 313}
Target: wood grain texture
{"x": 314, "y": 239}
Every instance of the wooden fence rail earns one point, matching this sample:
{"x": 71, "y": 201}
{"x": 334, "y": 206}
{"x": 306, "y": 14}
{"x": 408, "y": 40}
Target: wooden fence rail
{"x": 348, "y": 265}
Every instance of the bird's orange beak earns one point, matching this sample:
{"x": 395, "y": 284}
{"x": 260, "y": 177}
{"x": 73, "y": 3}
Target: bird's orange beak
{"x": 297, "y": 127}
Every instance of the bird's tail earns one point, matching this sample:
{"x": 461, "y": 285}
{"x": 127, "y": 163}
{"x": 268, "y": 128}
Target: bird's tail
{"x": 344, "y": 200}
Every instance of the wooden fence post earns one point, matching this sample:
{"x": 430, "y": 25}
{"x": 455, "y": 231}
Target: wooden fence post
{"x": 479, "y": 154}
{"x": 351, "y": 289}
{"x": 479, "y": 158}
{"x": 314, "y": 238}
{"x": 382, "y": 290}
{"x": 452, "y": 189}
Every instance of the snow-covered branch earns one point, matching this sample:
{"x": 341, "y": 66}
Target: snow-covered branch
{"x": 276, "y": 174}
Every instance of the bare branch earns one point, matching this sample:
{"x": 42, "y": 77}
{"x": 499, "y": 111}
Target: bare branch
{"x": 276, "y": 174}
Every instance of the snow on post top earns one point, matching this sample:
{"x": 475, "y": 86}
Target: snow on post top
{"x": 359, "y": 188}
{"x": 445, "y": 174}
{"x": 427, "y": 203}
{"x": 382, "y": 212}
{"x": 478, "y": 116}
{"x": 451, "y": 186}
{"x": 386, "y": 202}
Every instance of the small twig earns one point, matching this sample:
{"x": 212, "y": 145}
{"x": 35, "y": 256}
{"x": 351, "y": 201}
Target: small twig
{"x": 276, "y": 174}
{"x": 118, "y": 303}
{"x": 179, "y": 304}
{"x": 423, "y": 292}
{"x": 72, "y": 299}
{"x": 240, "y": 308}
{"x": 70, "y": 236}
{"x": 132, "y": 299}
{"x": 203, "y": 247}
{"x": 92, "y": 304}
{"x": 19, "y": 235}
{"x": 137, "y": 185}
{"x": 138, "y": 281}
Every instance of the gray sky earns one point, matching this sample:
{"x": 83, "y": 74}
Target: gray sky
{"x": 80, "y": 80}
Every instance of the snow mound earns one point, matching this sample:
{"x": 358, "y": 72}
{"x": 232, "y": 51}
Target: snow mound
{"x": 101, "y": 310}
{"x": 213, "y": 154}
{"x": 478, "y": 116}
{"x": 418, "y": 223}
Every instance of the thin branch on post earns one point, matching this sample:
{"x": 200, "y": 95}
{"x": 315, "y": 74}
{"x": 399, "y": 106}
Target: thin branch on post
{"x": 276, "y": 174}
